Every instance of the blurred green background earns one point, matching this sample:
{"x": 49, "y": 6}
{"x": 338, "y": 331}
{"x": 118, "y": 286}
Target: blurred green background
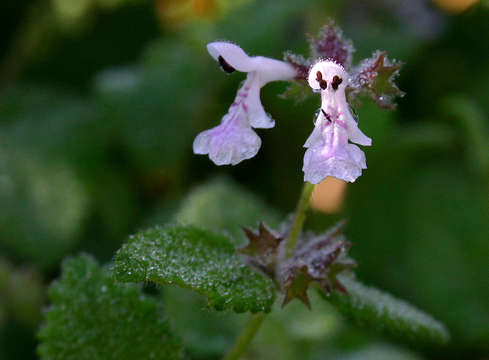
{"x": 100, "y": 101}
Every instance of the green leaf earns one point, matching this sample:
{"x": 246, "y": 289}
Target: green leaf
{"x": 375, "y": 77}
{"x": 92, "y": 317}
{"x": 262, "y": 249}
{"x": 439, "y": 251}
{"x": 50, "y": 140}
{"x": 196, "y": 259}
{"x": 318, "y": 259}
{"x": 371, "y": 307}
{"x": 472, "y": 121}
{"x": 224, "y": 205}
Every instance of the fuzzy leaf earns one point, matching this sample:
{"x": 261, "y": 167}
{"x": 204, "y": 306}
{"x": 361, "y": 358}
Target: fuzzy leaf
{"x": 380, "y": 351}
{"x": 92, "y": 318}
{"x": 320, "y": 260}
{"x": 300, "y": 64}
{"x": 196, "y": 259}
{"x": 296, "y": 285}
{"x": 298, "y": 89}
{"x": 262, "y": 248}
{"x": 371, "y": 307}
{"x": 374, "y": 77}
{"x": 330, "y": 44}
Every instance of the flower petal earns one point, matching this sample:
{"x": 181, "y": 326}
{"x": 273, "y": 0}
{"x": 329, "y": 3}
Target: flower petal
{"x": 232, "y": 54}
{"x": 333, "y": 156}
{"x": 317, "y": 166}
{"x": 314, "y": 138}
{"x": 230, "y": 142}
{"x": 354, "y": 133}
{"x": 257, "y": 116}
{"x": 273, "y": 70}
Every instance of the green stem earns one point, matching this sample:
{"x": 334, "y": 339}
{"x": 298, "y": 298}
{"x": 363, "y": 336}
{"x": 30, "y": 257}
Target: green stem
{"x": 299, "y": 217}
{"x": 244, "y": 340}
{"x": 255, "y": 321}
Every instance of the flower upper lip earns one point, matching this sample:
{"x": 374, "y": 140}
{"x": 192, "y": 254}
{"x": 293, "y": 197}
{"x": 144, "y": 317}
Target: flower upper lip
{"x": 225, "y": 66}
{"x": 232, "y": 54}
{"x": 231, "y": 57}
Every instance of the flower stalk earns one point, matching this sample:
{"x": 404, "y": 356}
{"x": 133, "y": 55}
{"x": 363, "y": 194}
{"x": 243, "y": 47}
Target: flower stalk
{"x": 255, "y": 321}
{"x": 299, "y": 217}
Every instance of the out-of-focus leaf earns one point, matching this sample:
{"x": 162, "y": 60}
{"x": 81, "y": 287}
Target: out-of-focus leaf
{"x": 53, "y": 148}
{"x": 224, "y": 205}
{"x": 24, "y": 292}
{"x": 60, "y": 164}
{"x": 370, "y": 307}
{"x": 3, "y": 313}
{"x": 153, "y": 106}
{"x": 205, "y": 332}
{"x": 68, "y": 12}
{"x": 472, "y": 120}
{"x": 264, "y": 20}
{"x": 196, "y": 259}
{"x": 43, "y": 205}
{"x": 428, "y": 232}
{"x": 379, "y": 352}
{"x": 91, "y": 317}
{"x": 42, "y": 120}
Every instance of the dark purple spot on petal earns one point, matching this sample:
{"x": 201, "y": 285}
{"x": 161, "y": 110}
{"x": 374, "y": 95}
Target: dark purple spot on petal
{"x": 225, "y": 66}
{"x": 326, "y": 115}
{"x": 322, "y": 83}
{"x": 336, "y": 82}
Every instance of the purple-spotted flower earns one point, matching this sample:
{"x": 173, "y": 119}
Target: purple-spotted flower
{"x": 329, "y": 152}
{"x": 234, "y": 140}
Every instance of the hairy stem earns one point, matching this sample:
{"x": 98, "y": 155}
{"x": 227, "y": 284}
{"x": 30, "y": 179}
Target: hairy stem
{"x": 255, "y": 321}
{"x": 244, "y": 339}
{"x": 299, "y": 217}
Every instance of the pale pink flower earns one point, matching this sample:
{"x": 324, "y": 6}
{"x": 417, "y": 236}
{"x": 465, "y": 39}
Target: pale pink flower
{"x": 234, "y": 140}
{"x": 329, "y": 152}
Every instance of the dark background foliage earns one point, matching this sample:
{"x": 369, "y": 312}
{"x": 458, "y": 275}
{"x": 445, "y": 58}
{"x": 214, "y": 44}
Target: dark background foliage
{"x": 100, "y": 101}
